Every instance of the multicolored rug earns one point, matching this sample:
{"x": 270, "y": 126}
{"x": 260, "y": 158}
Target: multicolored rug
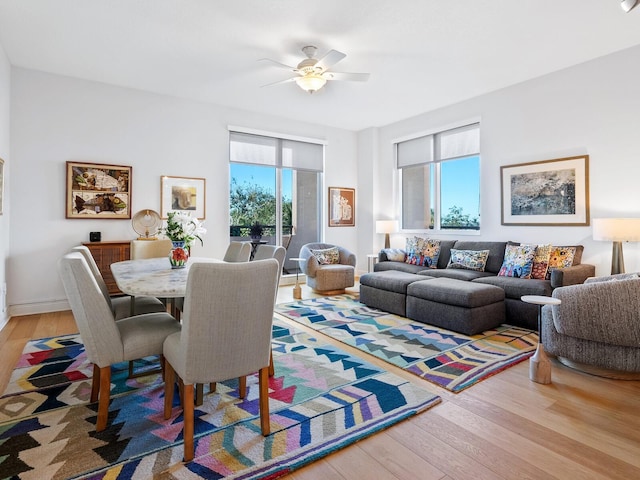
{"x": 321, "y": 399}
{"x": 448, "y": 359}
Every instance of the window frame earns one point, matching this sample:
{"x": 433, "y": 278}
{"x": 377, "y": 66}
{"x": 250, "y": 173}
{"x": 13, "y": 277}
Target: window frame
{"x": 435, "y": 161}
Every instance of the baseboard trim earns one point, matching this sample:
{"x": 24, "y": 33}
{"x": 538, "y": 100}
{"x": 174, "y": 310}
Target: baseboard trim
{"x": 37, "y": 308}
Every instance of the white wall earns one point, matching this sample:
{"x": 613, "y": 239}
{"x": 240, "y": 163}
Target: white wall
{"x": 5, "y": 92}
{"x": 593, "y": 109}
{"x": 55, "y": 119}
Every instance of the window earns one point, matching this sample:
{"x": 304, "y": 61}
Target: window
{"x": 440, "y": 180}
{"x": 276, "y": 183}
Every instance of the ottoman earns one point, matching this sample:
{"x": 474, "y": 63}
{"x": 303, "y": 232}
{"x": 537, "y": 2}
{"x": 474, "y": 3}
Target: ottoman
{"x": 387, "y": 290}
{"x": 458, "y": 305}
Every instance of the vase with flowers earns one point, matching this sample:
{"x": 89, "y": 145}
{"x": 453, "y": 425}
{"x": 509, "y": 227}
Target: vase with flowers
{"x": 182, "y": 229}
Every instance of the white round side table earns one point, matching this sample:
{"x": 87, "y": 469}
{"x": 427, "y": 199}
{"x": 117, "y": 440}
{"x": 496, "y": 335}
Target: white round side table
{"x": 297, "y": 291}
{"x": 539, "y": 364}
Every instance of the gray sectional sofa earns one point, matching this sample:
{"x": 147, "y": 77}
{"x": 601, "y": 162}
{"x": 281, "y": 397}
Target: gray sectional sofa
{"x": 468, "y": 301}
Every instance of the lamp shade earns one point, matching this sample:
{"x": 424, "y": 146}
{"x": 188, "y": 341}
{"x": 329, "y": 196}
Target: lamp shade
{"x": 386, "y": 226}
{"x": 311, "y": 82}
{"x": 616, "y": 229}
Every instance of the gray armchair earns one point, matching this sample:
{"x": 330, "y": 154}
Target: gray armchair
{"x": 595, "y": 329}
{"x": 328, "y": 278}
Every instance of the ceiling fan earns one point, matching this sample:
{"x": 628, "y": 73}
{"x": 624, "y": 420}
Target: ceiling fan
{"x": 312, "y": 74}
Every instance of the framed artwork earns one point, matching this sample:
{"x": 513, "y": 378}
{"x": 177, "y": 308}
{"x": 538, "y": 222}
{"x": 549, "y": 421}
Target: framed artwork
{"x": 182, "y": 194}
{"x": 342, "y": 207}
{"x": 1, "y": 186}
{"x": 548, "y": 192}
{"x": 97, "y": 190}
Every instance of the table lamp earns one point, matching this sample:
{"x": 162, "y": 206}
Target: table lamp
{"x": 386, "y": 227}
{"x": 617, "y": 230}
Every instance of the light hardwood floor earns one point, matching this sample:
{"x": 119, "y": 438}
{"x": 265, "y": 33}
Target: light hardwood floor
{"x": 506, "y": 427}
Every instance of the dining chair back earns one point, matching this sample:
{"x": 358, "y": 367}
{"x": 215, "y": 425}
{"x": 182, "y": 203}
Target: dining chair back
{"x": 106, "y": 340}
{"x": 226, "y": 333}
{"x": 238, "y": 252}
{"x": 271, "y": 251}
{"x": 120, "y": 306}
{"x": 150, "y": 248}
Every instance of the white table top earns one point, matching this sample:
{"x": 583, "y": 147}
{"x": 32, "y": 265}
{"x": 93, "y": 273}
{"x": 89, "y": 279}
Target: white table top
{"x": 153, "y": 276}
{"x": 540, "y": 300}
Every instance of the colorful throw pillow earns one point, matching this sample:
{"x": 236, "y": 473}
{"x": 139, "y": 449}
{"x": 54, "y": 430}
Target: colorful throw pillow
{"x": 561, "y": 257}
{"x": 518, "y": 261}
{"x": 468, "y": 259}
{"x": 327, "y": 256}
{"x": 394, "y": 254}
{"x": 423, "y": 252}
{"x": 541, "y": 262}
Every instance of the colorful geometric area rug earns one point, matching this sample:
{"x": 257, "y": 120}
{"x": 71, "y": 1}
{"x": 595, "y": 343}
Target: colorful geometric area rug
{"x": 321, "y": 399}
{"x": 448, "y": 359}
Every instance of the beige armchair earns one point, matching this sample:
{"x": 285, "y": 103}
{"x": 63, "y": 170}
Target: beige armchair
{"x": 106, "y": 340}
{"x": 595, "y": 328}
{"x": 226, "y": 333}
{"x": 330, "y": 278}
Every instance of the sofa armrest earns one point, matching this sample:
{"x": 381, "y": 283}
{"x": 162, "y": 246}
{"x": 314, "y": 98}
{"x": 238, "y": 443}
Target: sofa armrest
{"x": 576, "y": 274}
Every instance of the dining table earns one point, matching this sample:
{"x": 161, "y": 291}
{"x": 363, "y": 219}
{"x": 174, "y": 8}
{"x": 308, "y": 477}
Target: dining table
{"x": 154, "y": 277}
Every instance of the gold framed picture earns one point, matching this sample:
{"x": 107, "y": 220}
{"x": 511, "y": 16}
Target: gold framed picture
{"x": 342, "y": 207}
{"x": 96, "y": 190}
{"x": 182, "y": 194}
{"x": 548, "y": 192}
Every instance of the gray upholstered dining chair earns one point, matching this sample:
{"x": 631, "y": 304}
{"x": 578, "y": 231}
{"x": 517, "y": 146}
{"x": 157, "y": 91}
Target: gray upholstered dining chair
{"x": 238, "y": 252}
{"x": 121, "y": 306}
{"x": 226, "y": 333}
{"x": 107, "y": 340}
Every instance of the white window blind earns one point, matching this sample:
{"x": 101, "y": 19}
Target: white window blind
{"x": 459, "y": 142}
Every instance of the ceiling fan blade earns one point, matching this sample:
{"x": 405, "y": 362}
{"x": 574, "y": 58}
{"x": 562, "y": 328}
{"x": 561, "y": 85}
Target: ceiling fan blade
{"x": 278, "y": 64}
{"x": 352, "y": 77}
{"x": 331, "y": 58}
{"x": 292, "y": 79}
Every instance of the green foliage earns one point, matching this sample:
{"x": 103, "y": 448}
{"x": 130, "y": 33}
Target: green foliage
{"x": 251, "y": 203}
{"x": 456, "y": 219}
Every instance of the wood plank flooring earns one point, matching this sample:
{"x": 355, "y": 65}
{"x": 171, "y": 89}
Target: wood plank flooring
{"x": 506, "y": 427}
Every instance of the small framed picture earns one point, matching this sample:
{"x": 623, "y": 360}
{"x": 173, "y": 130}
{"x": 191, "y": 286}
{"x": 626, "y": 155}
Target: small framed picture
{"x": 342, "y": 207}
{"x": 548, "y": 192}
{"x": 182, "y": 194}
{"x": 96, "y": 190}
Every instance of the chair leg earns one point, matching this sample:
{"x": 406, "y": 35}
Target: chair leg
{"x": 103, "y": 398}
{"x": 199, "y": 394}
{"x": 169, "y": 381}
{"x": 212, "y": 387}
{"x": 95, "y": 383}
{"x": 242, "y": 387}
{"x": 272, "y": 370}
{"x": 263, "y": 379}
{"x": 188, "y": 423}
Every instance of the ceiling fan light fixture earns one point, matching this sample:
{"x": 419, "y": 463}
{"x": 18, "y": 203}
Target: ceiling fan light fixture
{"x": 311, "y": 83}
{"x": 627, "y": 5}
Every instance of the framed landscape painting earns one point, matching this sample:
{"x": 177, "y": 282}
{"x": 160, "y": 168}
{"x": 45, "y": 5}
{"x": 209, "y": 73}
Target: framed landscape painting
{"x": 342, "y": 207}
{"x": 548, "y": 192}
{"x": 97, "y": 190}
{"x": 182, "y": 194}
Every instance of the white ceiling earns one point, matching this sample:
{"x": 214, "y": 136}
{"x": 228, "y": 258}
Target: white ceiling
{"x": 422, "y": 54}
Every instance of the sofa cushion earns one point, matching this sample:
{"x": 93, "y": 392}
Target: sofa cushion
{"x": 541, "y": 262}
{"x": 422, "y": 251}
{"x": 391, "y": 280}
{"x": 394, "y": 254}
{"x": 518, "y": 261}
{"x": 468, "y": 259}
{"x": 496, "y": 252}
{"x": 456, "y": 273}
{"x": 560, "y": 257}
{"x": 517, "y": 287}
{"x": 456, "y": 292}
{"x": 399, "y": 266}
{"x": 327, "y": 256}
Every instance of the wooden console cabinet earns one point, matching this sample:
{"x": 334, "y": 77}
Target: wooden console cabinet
{"x": 106, "y": 253}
